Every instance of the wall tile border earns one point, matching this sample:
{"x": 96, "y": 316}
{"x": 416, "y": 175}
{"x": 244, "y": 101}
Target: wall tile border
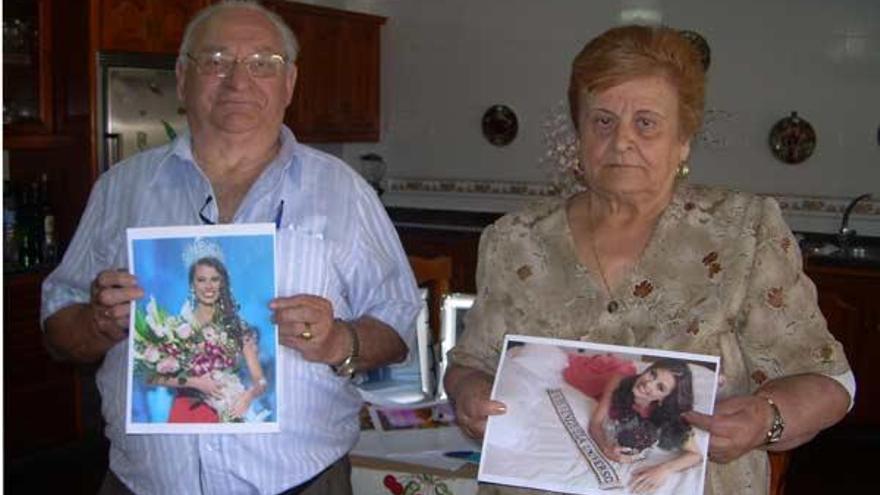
{"x": 493, "y": 196}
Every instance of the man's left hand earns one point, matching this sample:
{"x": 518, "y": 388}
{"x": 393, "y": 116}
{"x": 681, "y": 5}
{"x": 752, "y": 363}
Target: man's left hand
{"x": 306, "y": 323}
{"x": 739, "y": 425}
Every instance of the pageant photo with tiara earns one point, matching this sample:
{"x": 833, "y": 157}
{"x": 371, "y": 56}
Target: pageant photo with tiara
{"x": 598, "y": 419}
{"x": 202, "y": 347}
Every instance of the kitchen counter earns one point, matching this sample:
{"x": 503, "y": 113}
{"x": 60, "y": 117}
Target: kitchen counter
{"x": 821, "y": 249}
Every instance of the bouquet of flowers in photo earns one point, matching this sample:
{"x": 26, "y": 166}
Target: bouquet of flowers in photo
{"x": 168, "y": 347}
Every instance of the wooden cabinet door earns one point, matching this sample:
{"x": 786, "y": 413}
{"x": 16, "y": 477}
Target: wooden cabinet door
{"x": 27, "y": 74}
{"x": 149, "y": 26}
{"x": 337, "y": 90}
{"x": 848, "y": 299}
{"x": 41, "y": 395}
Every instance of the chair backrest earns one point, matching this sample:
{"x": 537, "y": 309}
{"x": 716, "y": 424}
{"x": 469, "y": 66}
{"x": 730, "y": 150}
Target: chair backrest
{"x": 779, "y": 462}
{"x": 433, "y": 274}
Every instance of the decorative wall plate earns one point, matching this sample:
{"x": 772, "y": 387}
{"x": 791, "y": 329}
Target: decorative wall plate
{"x": 701, "y": 45}
{"x": 792, "y": 139}
{"x": 500, "y": 125}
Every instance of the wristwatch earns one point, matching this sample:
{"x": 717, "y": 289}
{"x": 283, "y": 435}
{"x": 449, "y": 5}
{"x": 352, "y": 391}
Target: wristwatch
{"x": 347, "y": 367}
{"x": 774, "y": 434}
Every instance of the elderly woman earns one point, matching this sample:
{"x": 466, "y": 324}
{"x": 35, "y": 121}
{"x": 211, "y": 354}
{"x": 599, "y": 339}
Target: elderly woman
{"x": 640, "y": 258}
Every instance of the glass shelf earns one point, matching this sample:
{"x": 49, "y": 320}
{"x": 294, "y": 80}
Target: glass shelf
{"x": 27, "y": 93}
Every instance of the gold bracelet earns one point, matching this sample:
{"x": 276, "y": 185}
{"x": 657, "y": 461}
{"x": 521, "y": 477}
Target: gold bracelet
{"x": 777, "y": 427}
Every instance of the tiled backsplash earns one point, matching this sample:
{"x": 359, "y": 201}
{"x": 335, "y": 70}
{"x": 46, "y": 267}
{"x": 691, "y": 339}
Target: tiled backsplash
{"x": 803, "y": 213}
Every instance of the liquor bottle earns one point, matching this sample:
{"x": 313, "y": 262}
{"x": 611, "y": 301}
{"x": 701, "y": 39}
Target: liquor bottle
{"x": 50, "y": 245}
{"x": 46, "y": 224}
{"x": 27, "y": 249}
{"x": 10, "y": 226}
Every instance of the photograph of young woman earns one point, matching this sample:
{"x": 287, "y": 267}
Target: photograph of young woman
{"x": 203, "y": 342}
{"x": 621, "y": 415}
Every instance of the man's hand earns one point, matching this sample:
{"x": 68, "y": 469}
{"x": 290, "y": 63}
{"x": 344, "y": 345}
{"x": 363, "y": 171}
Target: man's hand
{"x": 110, "y": 303}
{"x": 306, "y": 323}
{"x": 84, "y": 332}
{"x": 739, "y": 425}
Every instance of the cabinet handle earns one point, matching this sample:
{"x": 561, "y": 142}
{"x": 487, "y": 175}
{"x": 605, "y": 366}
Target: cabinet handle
{"x": 112, "y": 149}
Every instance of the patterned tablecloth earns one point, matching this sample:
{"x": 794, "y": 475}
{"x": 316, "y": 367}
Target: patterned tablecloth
{"x": 382, "y": 477}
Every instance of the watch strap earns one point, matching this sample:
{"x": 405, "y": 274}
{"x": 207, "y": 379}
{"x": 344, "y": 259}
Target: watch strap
{"x": 348, "y": 366}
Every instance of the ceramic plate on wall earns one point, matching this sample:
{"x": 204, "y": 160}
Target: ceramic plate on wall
{"x": 792, "y": 139}
{"x": 500, "y": 125}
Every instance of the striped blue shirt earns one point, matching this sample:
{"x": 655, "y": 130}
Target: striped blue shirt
{"x": 335, "y": 240}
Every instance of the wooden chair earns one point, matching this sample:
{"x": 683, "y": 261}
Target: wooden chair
{"x": 434, "y": 274}
{"x": 779, "y": 462}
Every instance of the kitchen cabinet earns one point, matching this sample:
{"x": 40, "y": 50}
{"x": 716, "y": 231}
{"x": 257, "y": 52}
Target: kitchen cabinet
{"x": 848, "y": 299}
{"x": 337, "y": 90}
{"x": 41, "y": 396}
{"x": 145, "y": 26}
{"x": 841, "y": 458}
{"x": 27, "y": 74}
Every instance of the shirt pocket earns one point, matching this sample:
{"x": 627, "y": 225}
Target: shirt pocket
{"x": 307, "y": 264}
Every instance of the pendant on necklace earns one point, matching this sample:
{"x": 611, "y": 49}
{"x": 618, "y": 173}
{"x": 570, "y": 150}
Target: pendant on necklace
{"x": 612, "y": 306}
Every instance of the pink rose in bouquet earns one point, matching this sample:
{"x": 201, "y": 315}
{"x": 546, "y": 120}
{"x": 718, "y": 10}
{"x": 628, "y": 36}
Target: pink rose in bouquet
{"x": 168, "y": 365}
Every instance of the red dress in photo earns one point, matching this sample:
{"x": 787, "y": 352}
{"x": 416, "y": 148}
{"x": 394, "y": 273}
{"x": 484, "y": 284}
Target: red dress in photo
{"x": 590, "y": 373}
{"x": 186, "y": 409}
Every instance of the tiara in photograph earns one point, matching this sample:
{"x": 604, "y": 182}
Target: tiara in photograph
{"x": 201, "y": 248}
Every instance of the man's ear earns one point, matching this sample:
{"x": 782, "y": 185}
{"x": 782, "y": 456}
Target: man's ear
{"x": 290, "y": 83}
{"x": 180, "y": 74}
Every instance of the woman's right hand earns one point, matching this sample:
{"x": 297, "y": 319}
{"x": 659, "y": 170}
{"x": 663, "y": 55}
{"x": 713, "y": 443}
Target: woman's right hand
{"x": 608, "y": 447}
{"x": 204, "y": 384}
{"x": 469, "y": 390}
{"x": 622, "y": 455}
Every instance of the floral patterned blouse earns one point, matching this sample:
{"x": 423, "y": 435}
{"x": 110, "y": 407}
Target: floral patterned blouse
{"x": 721, "y": 275}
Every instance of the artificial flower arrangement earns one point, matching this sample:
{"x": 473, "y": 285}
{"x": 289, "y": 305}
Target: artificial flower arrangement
{"x": 171, "y": 348}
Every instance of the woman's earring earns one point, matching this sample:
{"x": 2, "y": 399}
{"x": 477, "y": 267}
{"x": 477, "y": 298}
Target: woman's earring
{"x": 683, "y": 170}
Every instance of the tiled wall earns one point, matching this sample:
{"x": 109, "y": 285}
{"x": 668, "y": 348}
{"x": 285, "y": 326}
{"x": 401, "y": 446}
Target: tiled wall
{"x": 445, "y": 62}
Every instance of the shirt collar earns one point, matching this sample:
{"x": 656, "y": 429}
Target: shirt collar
{"x": 180, "y": 156}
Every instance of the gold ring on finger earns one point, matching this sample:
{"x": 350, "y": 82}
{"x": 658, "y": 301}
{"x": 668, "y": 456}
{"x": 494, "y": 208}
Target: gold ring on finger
{"x": 307, "y": 335}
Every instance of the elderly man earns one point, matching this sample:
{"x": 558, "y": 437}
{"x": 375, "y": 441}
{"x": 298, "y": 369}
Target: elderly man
{"x": 240, "y": 164}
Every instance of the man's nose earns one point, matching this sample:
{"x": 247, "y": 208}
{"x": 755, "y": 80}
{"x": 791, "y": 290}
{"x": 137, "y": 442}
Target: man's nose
{"x": 238, "y": 75}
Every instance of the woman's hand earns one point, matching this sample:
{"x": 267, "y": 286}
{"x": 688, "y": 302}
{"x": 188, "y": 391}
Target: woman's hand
{"x": 206, "y": 385}
{"x": 648, "y": 479}
{"x": 242, "y": 403}
{"x": 623, "y": 455}
{"x": 610, "y": 449}
{"x": 739, "y": 425}
{"x": 469, "y": 390}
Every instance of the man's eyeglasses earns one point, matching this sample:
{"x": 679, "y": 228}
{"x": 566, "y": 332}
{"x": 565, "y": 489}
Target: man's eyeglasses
{"x": 219, "y": 64}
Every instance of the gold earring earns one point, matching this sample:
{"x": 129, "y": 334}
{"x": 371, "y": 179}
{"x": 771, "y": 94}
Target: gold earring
{"x": 683, "y": 170}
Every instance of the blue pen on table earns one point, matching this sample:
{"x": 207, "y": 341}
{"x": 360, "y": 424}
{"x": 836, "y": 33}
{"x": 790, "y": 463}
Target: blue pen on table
{"x": 465, "y": 455}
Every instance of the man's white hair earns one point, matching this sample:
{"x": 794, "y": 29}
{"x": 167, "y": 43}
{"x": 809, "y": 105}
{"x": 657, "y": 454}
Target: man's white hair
{"x": 288, "y": 39}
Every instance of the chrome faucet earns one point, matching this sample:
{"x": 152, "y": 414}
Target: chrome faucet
{"x": 845, "y": 234}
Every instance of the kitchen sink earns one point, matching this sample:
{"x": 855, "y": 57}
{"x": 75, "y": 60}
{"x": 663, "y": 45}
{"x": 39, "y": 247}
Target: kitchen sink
{"x": 826, "y": 249}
